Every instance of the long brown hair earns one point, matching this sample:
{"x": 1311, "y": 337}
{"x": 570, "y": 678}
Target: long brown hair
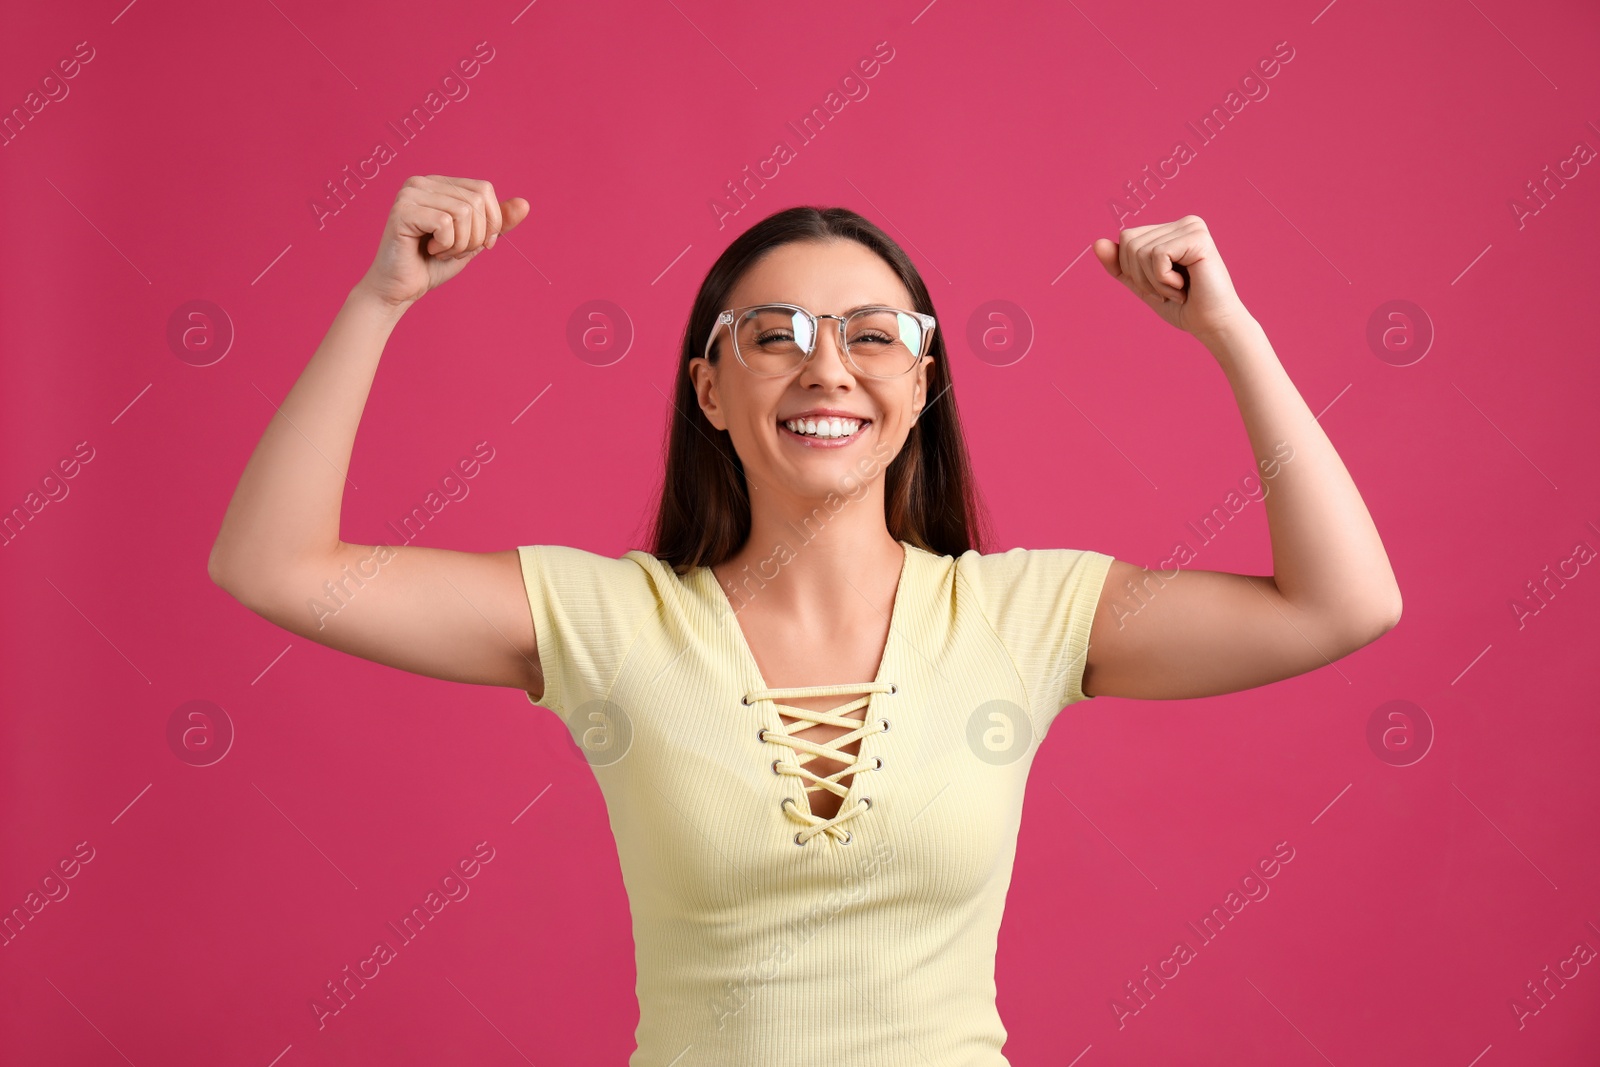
{"x": 930, "y": 499}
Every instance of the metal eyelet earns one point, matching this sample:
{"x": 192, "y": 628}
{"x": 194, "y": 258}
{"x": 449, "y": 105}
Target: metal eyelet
{"x": 775, "y": 767}
{"x": 745, "y": 700}
{"x": 893, "y": 688}
{"x": 885, "y": 724}
{"x": 797, "y": 840}
{"x": 879, "y": 767}
{"x": 867, "y": 801}
{"x": 761, "y": 735}
{"x": 848, "y": 837}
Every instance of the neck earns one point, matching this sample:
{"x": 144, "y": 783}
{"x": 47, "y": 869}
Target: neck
{"x": 810, "y": 559}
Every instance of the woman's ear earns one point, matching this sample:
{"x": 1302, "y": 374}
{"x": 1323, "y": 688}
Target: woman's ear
{"x": 702, "y": 375}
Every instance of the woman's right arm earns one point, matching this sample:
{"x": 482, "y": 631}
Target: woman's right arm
{"x": 461, "y": 616}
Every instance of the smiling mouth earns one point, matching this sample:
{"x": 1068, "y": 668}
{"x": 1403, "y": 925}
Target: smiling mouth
{"x": 825, "y": 429}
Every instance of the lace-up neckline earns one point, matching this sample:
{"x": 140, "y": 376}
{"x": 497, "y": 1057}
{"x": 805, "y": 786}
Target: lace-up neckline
{"x": 804, "y": 751}
{"x": 852, "y": 804}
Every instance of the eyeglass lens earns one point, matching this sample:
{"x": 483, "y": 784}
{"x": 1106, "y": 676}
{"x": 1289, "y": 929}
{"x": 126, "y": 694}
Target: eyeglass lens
{"x": 882, "y": 342}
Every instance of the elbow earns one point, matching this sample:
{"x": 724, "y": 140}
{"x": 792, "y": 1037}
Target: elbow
{"x": 225, "y": 572}
{"x": 1389, "y": 617}
{"x": 217, "y": 569}
{"x": 248, "y": 593}
{"x": 1374, "y": 624}
{"x": 1394, "y": 613}
{"x": 263, "y": 584}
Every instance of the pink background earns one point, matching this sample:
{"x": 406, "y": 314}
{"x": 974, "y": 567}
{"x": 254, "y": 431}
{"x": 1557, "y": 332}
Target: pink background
{"x": 181, "y": 166}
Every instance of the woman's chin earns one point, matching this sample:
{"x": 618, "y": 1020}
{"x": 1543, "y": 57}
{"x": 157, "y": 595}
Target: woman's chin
{"x": 820, "y": 474}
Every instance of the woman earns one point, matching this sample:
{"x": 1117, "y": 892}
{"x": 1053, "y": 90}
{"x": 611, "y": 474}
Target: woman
{"x": 812, "y": 708}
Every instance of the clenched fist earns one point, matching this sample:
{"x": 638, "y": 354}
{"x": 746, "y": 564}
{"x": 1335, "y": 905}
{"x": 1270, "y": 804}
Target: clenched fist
{"x": 1174, "y": 267}
{"x": 436, "y": 227}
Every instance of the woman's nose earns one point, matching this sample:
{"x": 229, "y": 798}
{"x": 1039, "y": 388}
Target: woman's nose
{"x": 828, "y": 357}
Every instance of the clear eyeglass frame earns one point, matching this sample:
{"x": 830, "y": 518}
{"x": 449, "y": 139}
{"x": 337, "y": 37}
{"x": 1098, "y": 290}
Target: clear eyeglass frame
{"x": 730, "y": 315}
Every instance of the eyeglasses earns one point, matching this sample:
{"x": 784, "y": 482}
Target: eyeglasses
{"x": 775, "y": 339}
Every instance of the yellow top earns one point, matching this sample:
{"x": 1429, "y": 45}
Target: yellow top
{"x": 764, "y": 934}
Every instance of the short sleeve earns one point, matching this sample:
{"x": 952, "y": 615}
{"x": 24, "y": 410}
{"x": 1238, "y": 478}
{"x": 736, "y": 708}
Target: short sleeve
{"x": 1041, "y": 604}
{"x": 587, "y": 611}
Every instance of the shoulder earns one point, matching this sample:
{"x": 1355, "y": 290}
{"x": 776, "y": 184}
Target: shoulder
{"x": 588, "y": 610}
{"x": 573, "y": 558}
{"x": 635, "y": 580}
{"x": 1040, "y": 604}
{"x": 1023, "y": 591}
{"x": 1022, "y": 570}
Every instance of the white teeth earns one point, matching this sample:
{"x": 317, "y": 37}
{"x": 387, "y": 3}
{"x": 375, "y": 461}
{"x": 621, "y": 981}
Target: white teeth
{"x": 824, "y": 427}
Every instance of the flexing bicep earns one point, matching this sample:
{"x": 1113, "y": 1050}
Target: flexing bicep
{"x": 1201, "y": 633}
{"x": 460, "y": 616}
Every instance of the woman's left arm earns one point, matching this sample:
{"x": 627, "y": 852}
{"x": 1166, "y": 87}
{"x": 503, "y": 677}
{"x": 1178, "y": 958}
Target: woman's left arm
{"x": 1166, "y": 634}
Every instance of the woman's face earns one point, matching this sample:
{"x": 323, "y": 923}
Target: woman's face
{"x": 826, "y": 278}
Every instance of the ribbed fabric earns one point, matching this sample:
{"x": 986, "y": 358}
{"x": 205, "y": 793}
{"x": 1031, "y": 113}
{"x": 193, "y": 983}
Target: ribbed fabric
{"x": 871, "y": 943}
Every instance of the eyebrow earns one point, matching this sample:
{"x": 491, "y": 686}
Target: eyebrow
{"x": 846, "y": 311}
